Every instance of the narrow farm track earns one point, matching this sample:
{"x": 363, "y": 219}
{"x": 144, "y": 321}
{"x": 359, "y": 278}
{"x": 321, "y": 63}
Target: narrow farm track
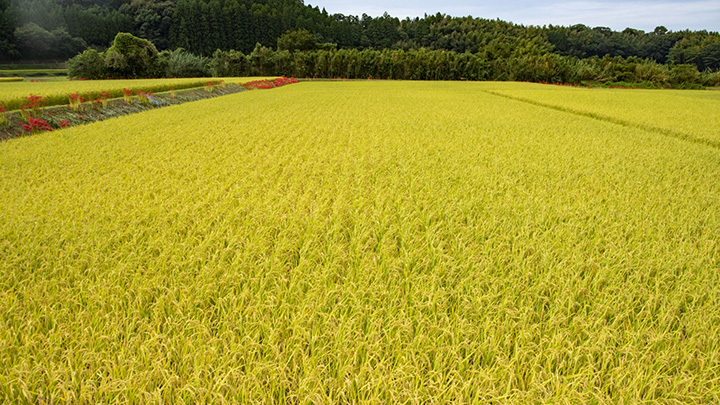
{"x": 359, "y": 242}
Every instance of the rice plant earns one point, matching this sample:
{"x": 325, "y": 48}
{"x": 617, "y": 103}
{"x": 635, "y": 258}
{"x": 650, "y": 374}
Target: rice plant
{"x": 14, "y": 94}
{"x": 689, "y": 114}
{"x": 388, "y": 242}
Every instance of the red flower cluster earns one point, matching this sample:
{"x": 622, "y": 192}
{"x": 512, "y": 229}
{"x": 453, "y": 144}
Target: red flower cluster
{"x": 34, "y": 101}
{"x": 3, "y": 119}
{"x": 37, "y": 125}
{"x": 282, "y": 81}
{"x": 258, "y": 84}
{"x": 75, "y": 101}
{"x": 64, "y": 123}
{"x": 264, "y": 84}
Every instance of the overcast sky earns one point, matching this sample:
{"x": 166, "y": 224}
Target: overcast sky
{"x": 676, "y": 15}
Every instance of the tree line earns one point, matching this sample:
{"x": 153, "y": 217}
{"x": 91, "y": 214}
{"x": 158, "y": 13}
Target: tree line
{"x": 298, "y": 55}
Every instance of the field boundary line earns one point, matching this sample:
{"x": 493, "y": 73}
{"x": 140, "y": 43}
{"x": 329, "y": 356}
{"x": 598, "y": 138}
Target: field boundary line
{"x": 612, "y": 120}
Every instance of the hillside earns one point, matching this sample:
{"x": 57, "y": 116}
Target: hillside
{"x": 59, "y": 29}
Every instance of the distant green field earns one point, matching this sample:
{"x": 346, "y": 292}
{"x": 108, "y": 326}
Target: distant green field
{"x": 21, "y": 66}
{"x": 382, "y": 242}
{"x": 33, "y": 72}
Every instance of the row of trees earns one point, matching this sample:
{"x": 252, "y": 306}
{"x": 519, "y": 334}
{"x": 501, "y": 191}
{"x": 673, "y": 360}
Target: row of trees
{"x": 203, "y": 26}
{"x": 134, "y": 57}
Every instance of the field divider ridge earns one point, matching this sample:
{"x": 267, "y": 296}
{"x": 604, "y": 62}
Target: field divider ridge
{"x": 610, "y": 119}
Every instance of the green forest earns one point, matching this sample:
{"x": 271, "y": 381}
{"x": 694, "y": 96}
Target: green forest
{"x": 290, "y": 37}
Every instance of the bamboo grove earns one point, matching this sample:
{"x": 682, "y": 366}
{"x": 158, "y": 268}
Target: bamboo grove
{"x": 141, "y": 59}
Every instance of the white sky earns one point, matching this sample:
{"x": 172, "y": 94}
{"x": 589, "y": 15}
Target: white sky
{"x": 676, "y": 15}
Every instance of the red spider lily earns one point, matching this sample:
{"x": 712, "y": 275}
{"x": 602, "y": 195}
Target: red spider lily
{"x": 210, "y": 86}
{"x": 64, "y": 123}
{"x": 264, "y": 84}
{"x": 3, "y": 119}
{"x": 75, "y": 101}
{"x": 37, "y": 125}
{"x": 104, "y": 98}
{"x": 35, "y": 101}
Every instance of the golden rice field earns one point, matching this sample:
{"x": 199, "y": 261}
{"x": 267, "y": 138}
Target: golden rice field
{"x": 385, "y": 242}
{"x": 690, "y": 114}
{"x": 14, "y": 94}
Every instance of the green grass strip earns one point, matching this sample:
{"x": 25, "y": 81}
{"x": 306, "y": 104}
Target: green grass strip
{"x": 33, "y": 72}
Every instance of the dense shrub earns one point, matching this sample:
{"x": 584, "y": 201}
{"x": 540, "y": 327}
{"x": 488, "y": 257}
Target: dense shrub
{"x": 180, "y": 63}
{"x": 89, "y": 65}
{"x": 711, "y": 79}
{"x": 229, "y": 63}
{"x": 684, "y": 74}
{"x": 130, "y": 56}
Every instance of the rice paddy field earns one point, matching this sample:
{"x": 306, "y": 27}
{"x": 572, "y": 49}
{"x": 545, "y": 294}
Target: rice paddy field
{"x": 14, "y": 94}
{"x": 382, "y": 242}
{"x": 32, "y": 72}
{"x": 692, "y": 115}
